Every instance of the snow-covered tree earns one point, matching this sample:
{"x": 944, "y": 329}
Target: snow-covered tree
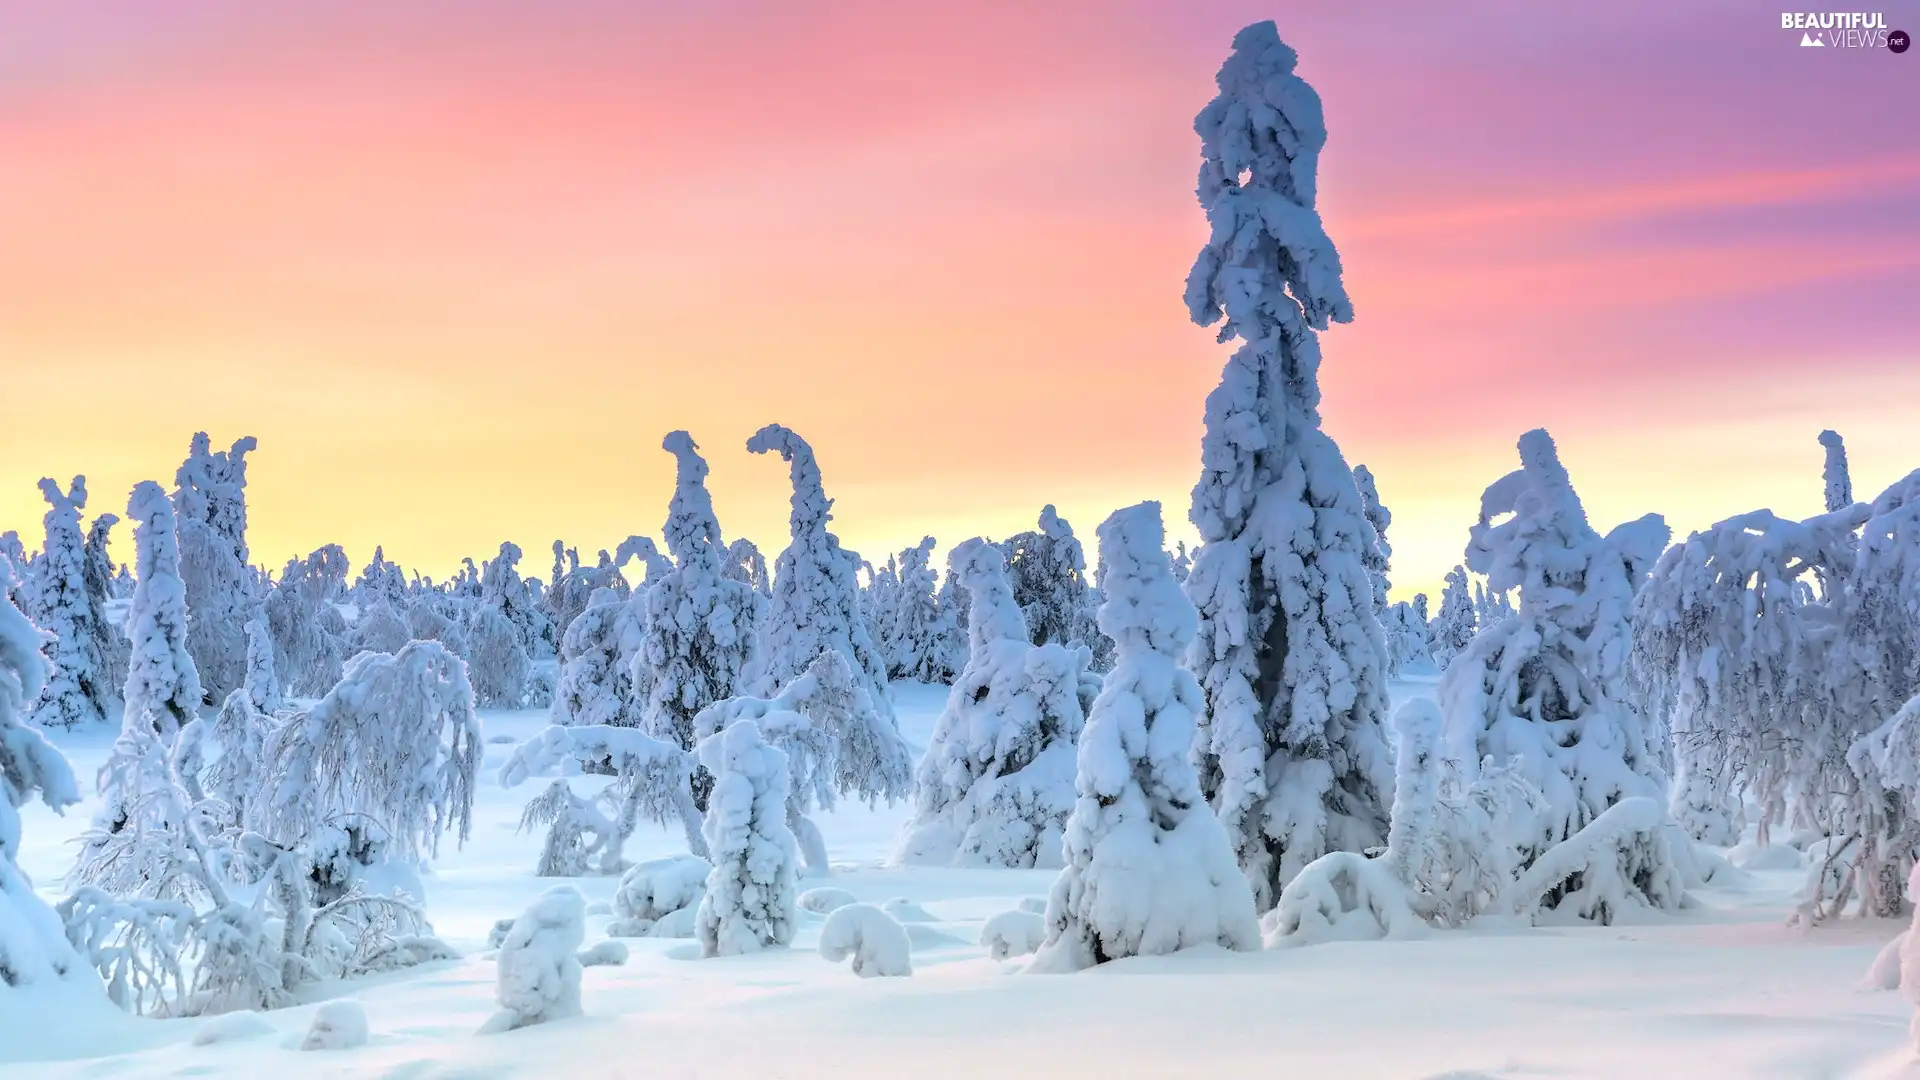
{"x": 1407, "y": 647}
{"x": 211, "y": 508}
{"x": 749, "y": 904}
{"x": 78, "y": 693}
{"x": 503, "y": 590}
{"x": 1149, "y": 869}
{"x": 1550, "y": 685}
{"x": 263, "y": 679}
{"x": 996, "y": 783}
{"x": 949, "y": 649}
{"x": 163, "y": 688}
{"x": 816, "y": 600}
{"x": 1379, "y": 561}
{"x": 33, "y": 947}
{"x": 878, "y": 945}
{"x": 699, "y": 629}
{"x": 1182, "y": 563}
{"x": 379, "y": 628}
{"x": 912, "y": 639}
{"x": 595, "y": 686}
{"x": 1289, "y": 653}
{"x": 1453, "y": 628}
{"x": 652, "y": 781}
{"x": 1047, "y": 570}
{"x": 392, "y": 750}
{"x": 102, "y": 580}
{"x": 309, "y": 633}
{"x": 1839, "y": 481}
{"x": 746, "y": 564}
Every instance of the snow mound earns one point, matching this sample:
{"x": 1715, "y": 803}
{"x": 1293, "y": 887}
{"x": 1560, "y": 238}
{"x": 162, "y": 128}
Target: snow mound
{"x": 1013, "y": 933}
{"x": 1748, "y": 855}
{"x": 878, "y": 945}
{"x": 337, "y": 1025}
{"x": 609, "y": 953}
{"x": 825, "y": 900}
{"x": 1035, "y": 904}
{"x": 233, "y": 1026}
{"x": 905, "y": 910}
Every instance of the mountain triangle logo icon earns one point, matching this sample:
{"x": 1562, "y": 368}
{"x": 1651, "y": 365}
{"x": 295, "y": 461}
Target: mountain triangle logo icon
{"x": 1808, "y": 41}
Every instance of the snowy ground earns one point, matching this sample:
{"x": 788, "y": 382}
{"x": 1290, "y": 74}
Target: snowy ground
{"x": 1727, "y": 991}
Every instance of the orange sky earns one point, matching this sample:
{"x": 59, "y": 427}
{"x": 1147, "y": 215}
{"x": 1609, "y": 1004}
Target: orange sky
{"x": 459, "y": 266}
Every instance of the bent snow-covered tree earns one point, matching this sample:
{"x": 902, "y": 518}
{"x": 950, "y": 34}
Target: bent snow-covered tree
{"x": 995, "y": 785}
{"x": 1289, "y": 653}
{"x": 816, "y": 598}
{"x": 78, "y": 693}
{"x": 751, "y": 892}
{"x": 1550, "y": 687}
{"x": 1149, "y": 868}
{"x": 33, "y": 945}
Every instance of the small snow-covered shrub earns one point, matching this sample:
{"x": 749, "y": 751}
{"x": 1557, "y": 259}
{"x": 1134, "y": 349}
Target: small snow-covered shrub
{"x": 750, "y": 893}
{"x": 337, "y": 1025}
{"x": 1342, "y": 896}
{"x": 1013, "y": 933}
{"x": 655, "y": 889}
{"x": 878, "y": 945}
{"x": 538, "y": 977}
{"x": 1585, "y": 875}
{"x": 825, "y": 900}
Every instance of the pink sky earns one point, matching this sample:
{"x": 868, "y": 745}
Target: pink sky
{"x": 459, "y": 266}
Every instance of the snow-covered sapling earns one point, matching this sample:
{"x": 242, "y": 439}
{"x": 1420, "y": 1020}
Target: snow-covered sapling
{"x": 653, "y": 892}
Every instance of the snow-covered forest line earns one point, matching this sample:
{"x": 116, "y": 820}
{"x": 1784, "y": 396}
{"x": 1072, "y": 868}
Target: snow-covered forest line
{"x": 1240, "y": 749}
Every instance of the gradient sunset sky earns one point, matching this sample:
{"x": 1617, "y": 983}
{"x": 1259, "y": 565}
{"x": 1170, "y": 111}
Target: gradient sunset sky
{"x": 459, "y": 266}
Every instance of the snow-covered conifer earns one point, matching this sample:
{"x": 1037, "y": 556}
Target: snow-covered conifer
{"x": 211, "y": 510}
{"x": 949, "y": 649}
{"x": 309, "y": 633}
{"x": 379, "y": 628}
{"x": 1047, "y": 570}
{"x": 750, "y": 897}
{"x": 595, "y": 686}
{"x": 746, "y": 564}
{"x": 1839, "y": 481}
{"x": 263, "y": 679}
{"x": 699, "y": 628}
{"x": 995, "y": 785}
{"x": 816, "y": 600}
{"x": 33, "y": 947}
{"x": 1550, "y": 685}
{"x": 1182, "y": 563}
{"x": 78, "y": 693}
{"x": 163, "y": 686}
{"x": 102, "y": 580}
{"x": 1149, "y": 869}
{"x": 1289, "y": 653}
{"x": 1453, "y": 628}
{"x": 912, "y": 637}
{"x": 1379, "y": 561}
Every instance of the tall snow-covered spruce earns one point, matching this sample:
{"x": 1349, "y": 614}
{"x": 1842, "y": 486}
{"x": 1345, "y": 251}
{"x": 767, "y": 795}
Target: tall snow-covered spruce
{"x": 1289, "y": 653}
{"x": 78, "y": 693}
{"x": 1549, "y": 687}
{"x": 210, "y": 503}
{"x": 1149, "y": 868}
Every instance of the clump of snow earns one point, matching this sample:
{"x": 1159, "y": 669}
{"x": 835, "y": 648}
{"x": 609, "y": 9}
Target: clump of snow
{"x": 878, "y": 945}
{"x": 337, "y": 1025}
{"x": 656, "y": 889}
{"x": 1149, "y": 870}
{"x": 907, "y": 911}
{"x": 539, "y": 970}
{"x": 1342, "y": 896}
{"x": 1013, "y": 933}
{"x": 749, "y": 903}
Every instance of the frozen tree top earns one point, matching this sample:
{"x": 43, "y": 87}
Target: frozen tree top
{"x": 810, "y": 503}
{"x": 691, "y": 525}
{"x": 1144, "y": 604}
